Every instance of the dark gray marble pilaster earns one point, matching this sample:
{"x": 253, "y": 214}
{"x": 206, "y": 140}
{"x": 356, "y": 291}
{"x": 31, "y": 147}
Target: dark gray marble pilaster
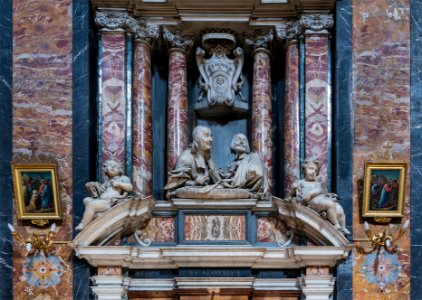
{"x": 84, "y": 146}
{"x": 343, "y": 130}
{"x": 159, "y": 74}
{"x": 416, "y": 147}
{"x": 6, "y": 207}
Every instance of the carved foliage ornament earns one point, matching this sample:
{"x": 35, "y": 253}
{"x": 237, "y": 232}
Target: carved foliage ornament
{"x": 221, "y": 77}
{"x": 117, "y": 20}
{"x": 316, "y": 23}
{"x": 259, "y": 39}
{"x": 178, "y": 40}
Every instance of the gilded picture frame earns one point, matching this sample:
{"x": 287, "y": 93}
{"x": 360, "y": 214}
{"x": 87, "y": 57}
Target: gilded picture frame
{"x": 37, "y": 192}
{"x": 384, "y": 190}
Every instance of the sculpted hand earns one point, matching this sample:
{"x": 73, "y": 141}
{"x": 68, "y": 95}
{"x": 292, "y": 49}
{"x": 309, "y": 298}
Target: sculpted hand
{"x": 200, "y": 180}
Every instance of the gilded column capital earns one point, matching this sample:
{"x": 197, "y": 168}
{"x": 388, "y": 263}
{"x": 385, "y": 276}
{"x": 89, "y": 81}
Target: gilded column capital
{"x": 316, "y": 23}
{"x": 259, "y": 40}
{"x": 178, "y": 40}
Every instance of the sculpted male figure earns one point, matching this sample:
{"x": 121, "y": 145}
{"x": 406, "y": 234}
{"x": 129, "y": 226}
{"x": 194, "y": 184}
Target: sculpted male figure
{"x": 195, "y": 166}
{"x": 314, "y": 194}
{"x": 104, "y": 196}
{"x": 247, "y": 170}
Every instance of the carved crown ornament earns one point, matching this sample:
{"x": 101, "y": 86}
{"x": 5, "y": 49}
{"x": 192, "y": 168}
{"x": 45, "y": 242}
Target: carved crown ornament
{"x": 112, "y": 20}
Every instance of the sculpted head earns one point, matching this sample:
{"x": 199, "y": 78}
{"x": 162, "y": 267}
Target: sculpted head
{"x": 112, "y": 168}
{"x": 239, "y": 144}
{"x": 310, "y": 168}
{"x": 202, "y": 138}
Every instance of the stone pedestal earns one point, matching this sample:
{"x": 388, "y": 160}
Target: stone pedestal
{"x": 109, "y": 287}
{"x": 317, "y": 287}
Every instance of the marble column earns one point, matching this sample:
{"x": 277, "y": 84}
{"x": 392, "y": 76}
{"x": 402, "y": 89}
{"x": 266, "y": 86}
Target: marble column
{"x": 317, "y": 89}
{"x": 142, "y": 112}
{"x": 261, "y": 99}
{"x": 177, "y": 104}
{"x": 291, "y": 159}
{"x": 112, "y": 108}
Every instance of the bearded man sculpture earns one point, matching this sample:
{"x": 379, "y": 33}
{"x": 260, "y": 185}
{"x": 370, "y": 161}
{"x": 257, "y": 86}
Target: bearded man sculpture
{"x": 195, "y": 166}
{"x": 247, "y": 170}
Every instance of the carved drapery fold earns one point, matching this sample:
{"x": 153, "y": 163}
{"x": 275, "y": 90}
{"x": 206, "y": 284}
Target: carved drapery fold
{"x": 177, "y": 106}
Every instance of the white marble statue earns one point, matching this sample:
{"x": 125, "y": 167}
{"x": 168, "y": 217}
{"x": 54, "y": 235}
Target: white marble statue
{"x": 195, "y": 166}
{"x": 104, "y": 196}
{"x": 313, "y": 194}
{"x": 247, "y": 170}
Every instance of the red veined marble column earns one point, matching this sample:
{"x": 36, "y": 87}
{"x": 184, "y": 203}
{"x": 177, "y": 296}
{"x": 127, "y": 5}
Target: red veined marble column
{"x": 261, "y": 101}
{"x": 113, "y": 93}
{"x": 291, "y": 117}
{"x": 317, "y": 89}
{"x": 142, "y": 120}
{"x": 177, "y": 106}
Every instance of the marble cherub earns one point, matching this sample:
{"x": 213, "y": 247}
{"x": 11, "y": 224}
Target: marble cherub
{"x": 313, "y": 194}
{"x": 104, "y": 196}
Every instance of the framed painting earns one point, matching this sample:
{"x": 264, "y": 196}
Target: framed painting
{"x": 383, "y": 191}
{"x": 37, "y": 192}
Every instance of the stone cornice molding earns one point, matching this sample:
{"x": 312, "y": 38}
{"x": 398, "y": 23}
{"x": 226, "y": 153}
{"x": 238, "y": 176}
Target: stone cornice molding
{"x": 115, "y": 20}
{"x": 316, "y": 23}
{"x": 259, "y": 40}
{"x": 173, "y": 257}
{"x": 178, "y": 40}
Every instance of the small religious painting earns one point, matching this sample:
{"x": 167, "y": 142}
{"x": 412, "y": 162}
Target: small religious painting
{"x": 36, "y": 191}
{"x": 383, "y": 193}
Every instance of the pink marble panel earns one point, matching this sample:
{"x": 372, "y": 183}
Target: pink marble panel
{"x": 160, "y": 230}
{"x": 381, "y": 94}
{"x": 215, "y": 228}
{"x": 109, "y": 270}
{"x": 113, "y": 110}
{"x": 177, "y": 107}
{"x": 317, "y": 100}
{"x": 269, "y": 230}
{"x": 291, "y": 118}
{"x": 42, "y": 113}
{"x": 142, "y": 120}
{"x": 262, "y": 109}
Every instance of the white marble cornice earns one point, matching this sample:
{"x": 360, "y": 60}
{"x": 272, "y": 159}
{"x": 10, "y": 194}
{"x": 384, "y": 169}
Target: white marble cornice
{"x": 173, "y": 257}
